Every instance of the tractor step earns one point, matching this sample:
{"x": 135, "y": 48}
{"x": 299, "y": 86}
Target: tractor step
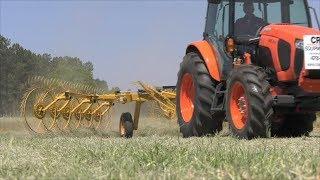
{"x": 218, "y": 107}
{"x": 284, "y": 100}
{"x": 308, "y": 103}
{"x": 291, "y": 103}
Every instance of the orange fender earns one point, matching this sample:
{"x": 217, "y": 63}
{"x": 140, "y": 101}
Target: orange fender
{"x": 208, "y": 54}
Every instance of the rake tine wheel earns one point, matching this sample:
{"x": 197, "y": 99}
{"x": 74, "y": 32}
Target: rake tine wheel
{"x": 48, "y": 100}
{"x": 64, "y": 110}
{"x": 108, "y": 120}
{"x": 86, "y": 120}
{"x": 63, "y": 122}
{"x": 78, "y": 118}
{"x": 32, "y": 112}
{"x": 97, "y": 119}
{"x": 62, "y": 107}
{"x": 93, "y": 116}
{"x": 100, "y": 122}
{"x": 54, "y": 116}
{"x": 73, "y": 119}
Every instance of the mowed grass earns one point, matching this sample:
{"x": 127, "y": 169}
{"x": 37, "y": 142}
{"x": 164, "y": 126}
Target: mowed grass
{"x": 156, "y": 152}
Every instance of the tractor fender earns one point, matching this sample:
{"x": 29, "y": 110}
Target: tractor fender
{"x": 208, "y": 54}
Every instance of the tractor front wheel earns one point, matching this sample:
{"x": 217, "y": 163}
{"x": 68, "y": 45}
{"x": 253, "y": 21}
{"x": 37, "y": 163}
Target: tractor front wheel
{"x": 249, "y": 103}
{"x": 195, "y": 90}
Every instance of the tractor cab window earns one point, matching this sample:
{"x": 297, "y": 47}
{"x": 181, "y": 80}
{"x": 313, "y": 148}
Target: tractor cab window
{"x": 251, "y": 15}
{"x": 272, "y": 12}
{"x": 222, "y": 20}
{"x": 248, "y": 18}
{"x": 217, "y": 25}
{"x": 289, "y": 11}
{"x": 297, "y": 11}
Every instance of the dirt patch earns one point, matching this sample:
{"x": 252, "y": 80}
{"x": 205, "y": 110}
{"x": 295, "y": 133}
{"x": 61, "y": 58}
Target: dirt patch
{"x": 12, "y": 124}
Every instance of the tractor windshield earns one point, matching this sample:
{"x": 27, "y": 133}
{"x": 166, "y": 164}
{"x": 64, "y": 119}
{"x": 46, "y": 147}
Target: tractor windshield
{"x": 251, "y": 15}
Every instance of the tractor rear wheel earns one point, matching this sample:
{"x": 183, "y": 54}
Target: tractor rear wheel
{"x": 249, "y": 102}
{"x": 296, "y": 125}
{"x": 195, "y": 90}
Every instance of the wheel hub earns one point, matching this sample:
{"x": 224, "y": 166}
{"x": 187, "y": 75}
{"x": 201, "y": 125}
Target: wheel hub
{"x": 238, "y": 106}
{"x": 38, "y": 111}
{"x": 242, "y": 104}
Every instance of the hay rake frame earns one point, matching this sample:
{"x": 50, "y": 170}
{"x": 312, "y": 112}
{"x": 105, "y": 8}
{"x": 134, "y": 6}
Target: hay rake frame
{"x": 55, "y": 106}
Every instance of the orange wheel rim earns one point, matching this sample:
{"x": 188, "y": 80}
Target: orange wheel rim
{"x": 187, "y": 94}
{"x": 238, "y": 106}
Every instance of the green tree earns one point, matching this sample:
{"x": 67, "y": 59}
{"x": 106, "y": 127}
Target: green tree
{"x": 18, "y": 64}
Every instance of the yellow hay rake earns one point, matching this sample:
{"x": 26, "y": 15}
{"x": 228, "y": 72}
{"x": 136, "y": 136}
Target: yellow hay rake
{"x": 53, "y": 106}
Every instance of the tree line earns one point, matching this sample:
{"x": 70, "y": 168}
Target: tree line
{"x": 18, "y": 64}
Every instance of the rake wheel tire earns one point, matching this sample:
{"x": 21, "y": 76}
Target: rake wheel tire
{"x": 126, "y": 125}
{"x": 296, "y": 125}
{"x": 201, "y": 122}
{"x": 259, "y": 102}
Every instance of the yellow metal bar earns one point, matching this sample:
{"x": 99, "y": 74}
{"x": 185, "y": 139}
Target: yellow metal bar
{"x": 136, "y": 115}
{"x": 99, "y": 107}
{"x": 60, "y": 97}
{"x": 166, "y": 104}
{"x": 106, "y": 110}
{"x": 64, "y": 105}
{"x": 85, "y": 110}
{"x": 81, "y": 103}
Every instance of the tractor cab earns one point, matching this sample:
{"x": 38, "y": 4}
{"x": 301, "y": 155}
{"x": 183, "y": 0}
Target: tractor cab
{"x": 243, "y": 20}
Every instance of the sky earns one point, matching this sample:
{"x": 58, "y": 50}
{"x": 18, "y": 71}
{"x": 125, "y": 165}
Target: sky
{"x": 126, "y": 41}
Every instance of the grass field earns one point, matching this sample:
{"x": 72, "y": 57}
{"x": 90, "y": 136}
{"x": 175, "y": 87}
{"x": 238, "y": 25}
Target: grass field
{"x": 156, "y": 152}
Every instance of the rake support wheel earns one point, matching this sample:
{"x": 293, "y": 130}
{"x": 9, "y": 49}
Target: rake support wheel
{"x": 126, "y": 125}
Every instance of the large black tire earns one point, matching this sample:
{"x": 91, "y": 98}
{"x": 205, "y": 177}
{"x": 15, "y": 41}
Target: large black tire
{"x": 296, "y": 125}
{"x": 126, "y": 125}
{"x": 201, "y": 122}
{"x": 256, "y": 110}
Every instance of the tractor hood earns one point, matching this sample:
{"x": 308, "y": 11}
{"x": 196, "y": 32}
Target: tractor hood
{"x": 288, "y": 32}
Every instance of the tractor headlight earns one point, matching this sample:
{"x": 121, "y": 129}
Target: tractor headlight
{"x": 299, "y": 44}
